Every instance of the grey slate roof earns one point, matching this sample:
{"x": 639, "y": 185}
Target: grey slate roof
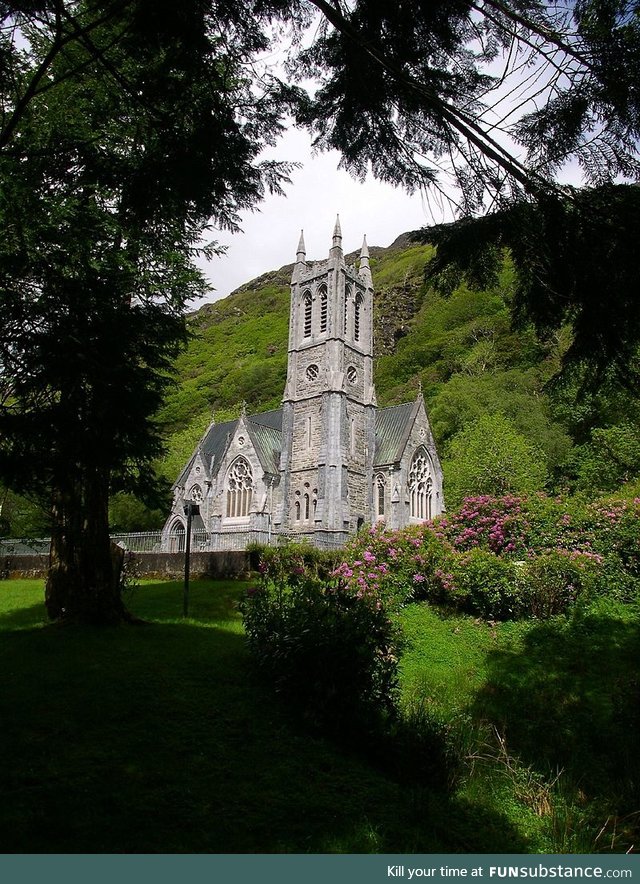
{"x": 392, "y": 428}
{"x": 265, "y": 429}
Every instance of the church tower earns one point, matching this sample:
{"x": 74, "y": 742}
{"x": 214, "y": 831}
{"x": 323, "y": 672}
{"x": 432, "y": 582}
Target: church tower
{"x": 328, "y": 421}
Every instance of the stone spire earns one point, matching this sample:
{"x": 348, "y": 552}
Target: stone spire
{"x": 337, "y": 233}
{"x": 336, "y": 246}
{"x": 301, "y": 261}
{"x": 365, "y": 269}
{"x": 301, "y": 253}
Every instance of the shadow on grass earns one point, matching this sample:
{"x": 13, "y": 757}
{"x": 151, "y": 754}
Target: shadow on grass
{"x": 568, "y": 700}
{"x": 160, "y": 740}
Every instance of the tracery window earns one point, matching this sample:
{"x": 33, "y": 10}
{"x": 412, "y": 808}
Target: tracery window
{"x": 307, "y": 301}
{"x": 239, "y": 489}
{"x": 380, "y": 495}
{"x": 195, "y": 494}
{"x": 323, "y": 308}
{"x": 420, "y": 486}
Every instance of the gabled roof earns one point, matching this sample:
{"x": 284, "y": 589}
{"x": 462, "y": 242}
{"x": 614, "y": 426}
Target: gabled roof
{"x": 265, "y": 431}
{"x": 393, "y": 425}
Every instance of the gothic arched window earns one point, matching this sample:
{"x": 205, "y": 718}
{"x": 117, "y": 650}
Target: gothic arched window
{"x": 356, "y": 317}
{"x": 239, "y": 489}
{"x": 380, "y": 496}
{"x": 307, "y": 302}
{"x": 324, "y": 310}
{"x": 420, "y": 486}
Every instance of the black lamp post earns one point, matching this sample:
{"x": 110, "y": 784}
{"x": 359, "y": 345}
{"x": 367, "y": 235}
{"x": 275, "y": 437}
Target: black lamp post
{"x": 190, "y": 509}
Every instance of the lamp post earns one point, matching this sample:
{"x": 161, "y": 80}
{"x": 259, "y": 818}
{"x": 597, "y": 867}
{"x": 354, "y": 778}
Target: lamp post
{"x": 190, "y": 509}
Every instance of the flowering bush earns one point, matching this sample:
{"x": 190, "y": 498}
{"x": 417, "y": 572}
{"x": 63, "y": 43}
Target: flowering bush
{"x": 501, "y": 557}
{"x": 395, "y": 566}
{"x": 329, "y": 649}
{"x": 497, "y": 524}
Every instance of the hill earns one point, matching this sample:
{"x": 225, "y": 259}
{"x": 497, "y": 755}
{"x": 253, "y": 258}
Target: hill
{"x": 461, "y": 349}
{"x": 483, "y": 381}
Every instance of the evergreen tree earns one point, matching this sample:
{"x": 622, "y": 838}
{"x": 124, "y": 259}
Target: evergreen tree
{"x": 129, "y": 142}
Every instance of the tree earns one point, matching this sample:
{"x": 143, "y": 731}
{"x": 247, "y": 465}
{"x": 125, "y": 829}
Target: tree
{"x": 575, "y": 257}
{"x": 491, "y": 457}
{"x": 498, "y": 96}
{"x": 124, "y": 138}
{"x": 418, "y": 91}
{"x": 608, "y": 460}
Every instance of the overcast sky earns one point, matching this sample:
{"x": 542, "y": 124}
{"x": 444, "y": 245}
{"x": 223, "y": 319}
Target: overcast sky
{"x": 319, "y": 191}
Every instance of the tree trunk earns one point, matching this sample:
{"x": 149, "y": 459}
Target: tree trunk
{"x": 83, "y": 582}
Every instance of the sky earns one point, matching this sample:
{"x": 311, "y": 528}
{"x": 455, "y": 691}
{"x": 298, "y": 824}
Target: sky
{"x": 318, "y": 192}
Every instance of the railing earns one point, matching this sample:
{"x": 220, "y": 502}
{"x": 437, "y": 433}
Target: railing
{"x": 151, "y": 541}
{"x": 26, "y": 546}
{"x": 140, "y": 541}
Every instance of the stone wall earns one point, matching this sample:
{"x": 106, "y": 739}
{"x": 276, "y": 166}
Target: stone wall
{"x": 169, "y": 566}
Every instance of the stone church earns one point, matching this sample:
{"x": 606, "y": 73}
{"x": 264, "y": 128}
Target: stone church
{"x": 329, "y": 460}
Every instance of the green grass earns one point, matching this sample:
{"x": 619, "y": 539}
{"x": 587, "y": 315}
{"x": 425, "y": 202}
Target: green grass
{"x": 547, "y": 713}
{"x": 160, "y": 738}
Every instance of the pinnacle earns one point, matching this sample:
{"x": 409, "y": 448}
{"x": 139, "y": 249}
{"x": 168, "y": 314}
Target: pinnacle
{"x": 337, "y": 233}
{"x": 301, "y": 247}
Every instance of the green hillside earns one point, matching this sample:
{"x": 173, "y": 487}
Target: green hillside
{"x": 461, "y": 349}
{"x": 497, "y": 421}
{"x": 480, "y": 377}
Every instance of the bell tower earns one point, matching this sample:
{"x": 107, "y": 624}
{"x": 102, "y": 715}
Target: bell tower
{"x": 329, "y": 400}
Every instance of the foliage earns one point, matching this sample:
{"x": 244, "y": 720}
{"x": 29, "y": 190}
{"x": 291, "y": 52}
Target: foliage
{"x": 330, "y": 651}
{"x": 491, "y": 457}
{"x": 393, "y": 565}
{"x": 117, "y": 153}
{"x": 573, "y": 253}
{"x": 609, "y": 459}
{"x": 20, "y": 517}
{"x": 127, "y": 513}
{"x": 485, "y": 584}
{"x": 503, "y": 557}
{"x": 406, "y": 91}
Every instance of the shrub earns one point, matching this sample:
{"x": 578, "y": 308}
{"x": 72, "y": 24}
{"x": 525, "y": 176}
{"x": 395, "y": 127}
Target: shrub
{"x": 331, "y": 651}
{"x": 486, "y": 584}
{"x": 396, "y": 566}
{"x": 551, "y": 582}
{"x": 498, "y": 524}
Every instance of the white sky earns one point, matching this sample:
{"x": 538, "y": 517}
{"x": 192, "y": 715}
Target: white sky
{"x": 319, "y": 191}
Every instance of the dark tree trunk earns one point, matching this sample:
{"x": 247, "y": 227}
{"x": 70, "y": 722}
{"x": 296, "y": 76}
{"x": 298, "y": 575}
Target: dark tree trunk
{"x": 83, "y": 582}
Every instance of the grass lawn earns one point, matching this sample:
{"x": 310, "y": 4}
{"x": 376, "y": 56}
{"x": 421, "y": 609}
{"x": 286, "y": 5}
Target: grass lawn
{"x": 548, "y": 713}
{"x": 158, "y": 738}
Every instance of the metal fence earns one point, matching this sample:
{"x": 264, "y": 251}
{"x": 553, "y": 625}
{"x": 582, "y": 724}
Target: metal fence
{"x": 24, "y": 546}
{"x": 140, "y": 541}
{"x": 151, "y": 541}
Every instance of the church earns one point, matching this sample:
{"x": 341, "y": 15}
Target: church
{"x": 329, "y": 460}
